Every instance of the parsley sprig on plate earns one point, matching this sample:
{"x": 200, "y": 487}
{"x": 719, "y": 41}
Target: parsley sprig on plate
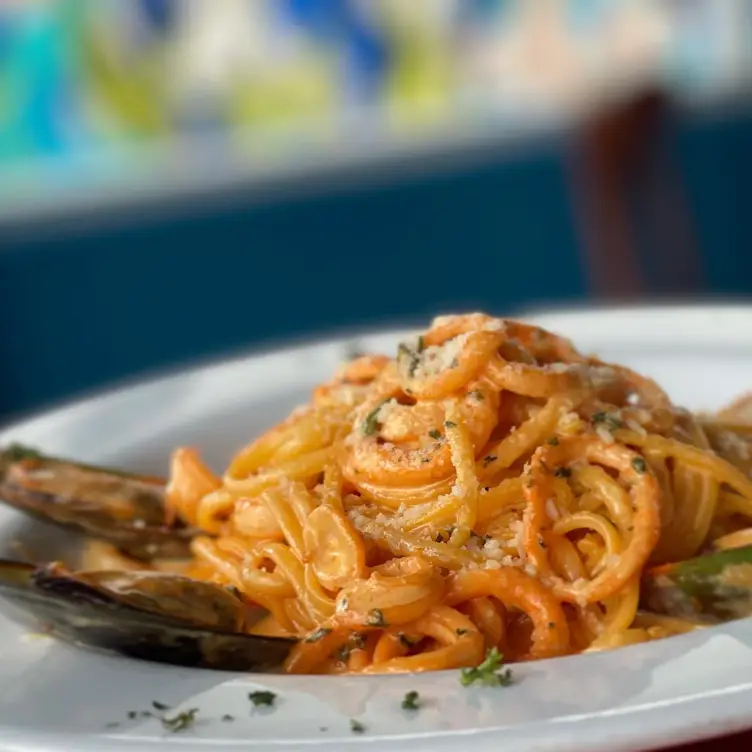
{"x": 488, "y": 672}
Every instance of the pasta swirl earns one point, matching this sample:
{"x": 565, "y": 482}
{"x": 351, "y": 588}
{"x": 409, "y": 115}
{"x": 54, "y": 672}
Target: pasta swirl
{"x": 490, "y": 486}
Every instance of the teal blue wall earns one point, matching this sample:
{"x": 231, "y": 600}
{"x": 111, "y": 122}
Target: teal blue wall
{"x": 82, "y": 309}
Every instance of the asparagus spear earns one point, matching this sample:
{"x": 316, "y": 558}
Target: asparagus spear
{"x": 712, "y": 588}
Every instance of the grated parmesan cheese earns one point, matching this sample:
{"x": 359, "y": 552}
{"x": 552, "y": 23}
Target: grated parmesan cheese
{"x": 633, "y": 425}
{"x": 492, "y": 548}
{"x": 438, "y": 358}
{"x": 386, "y": 409}
{"x": 604, "y": 434}
{"x": 495, "y": 325}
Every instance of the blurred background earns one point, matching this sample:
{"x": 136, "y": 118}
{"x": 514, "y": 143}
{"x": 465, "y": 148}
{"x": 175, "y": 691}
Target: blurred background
{"x": 180, "y": 178}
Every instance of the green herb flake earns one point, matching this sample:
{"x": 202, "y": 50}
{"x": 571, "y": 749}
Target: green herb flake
{"x": 132, "y": 714}
{"x": 407, "y": 641}
{"x": 227, "y": 718}
{"x": 371, "y": 422}
{"x": 611, "y": 422}
{"x": 262, "y": 698}
{"x": 479, "y": 396}
{"x": 183, "y": 720}
{"x": 488, "y": 459}
{"x": 356, "y": 726}
{"x": 461, "y": 631}
{"x": 487, "y": 672}
{"x": 639, "y": 464}
{"x": 159, "y": 705}
{"x": 435, "y": 434}
{"x": 18, "y": 452}
{"x": 409, "y": 356}
{"x": 551, "y": 625}
{"x": 411, "y": 701}
{"x": 318, "y": 634}
{"x": 376, "y": 618}
{"x": 343, "y": 653}
{"x": 450, "y": 424}
{"x": 553, "y": 441}
{"x": 563, "y": 472}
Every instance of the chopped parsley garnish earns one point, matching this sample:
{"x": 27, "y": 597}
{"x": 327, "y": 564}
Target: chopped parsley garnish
{"x": 639, "y": 464}
{"x": 551, "y": 625}
{"x": 183, "y": 720}
{"x": 227, "y": 718}
{"x": 262, "y": 698}
{"x": 478, "y": 395}
{"x": 563, "y": 472}
{"x": 17, "y": 452}
{"x": 450, "y": 424}
{"x": 376, "y": 618}
{"x": 318, "y": 634}
{"x": 343, "y": 653}
{"x": 435, "y": 434}
{"x": 159, "y": 705}
{"x": 487, "y": 672}
{"x": 371, "y": 422}
{"x": 411, "y": 701}
{"x": 611, "y": 422}
{"x": 356, "y": 642}
{"x": 412, "y": 357}
{"x": 407, "y": 641}
{"x": 553, "y": 441}
{"x": 132, "y": 714}
{"x": 356, "y": 726}
{"x": 488, "y": 459}
{"x": 461, "y": 631}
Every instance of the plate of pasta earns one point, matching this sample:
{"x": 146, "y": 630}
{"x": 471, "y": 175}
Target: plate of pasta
{"x": 490, "y": 531}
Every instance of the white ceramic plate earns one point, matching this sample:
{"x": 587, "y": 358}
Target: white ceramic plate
{"x": 55, "y": 696}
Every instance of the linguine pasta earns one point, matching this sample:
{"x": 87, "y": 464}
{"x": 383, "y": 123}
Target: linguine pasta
{"x": 489, "y": 486}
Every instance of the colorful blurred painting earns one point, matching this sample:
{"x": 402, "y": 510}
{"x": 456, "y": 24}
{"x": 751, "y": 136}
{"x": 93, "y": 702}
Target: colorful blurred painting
{"x": 85, "y": 85}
